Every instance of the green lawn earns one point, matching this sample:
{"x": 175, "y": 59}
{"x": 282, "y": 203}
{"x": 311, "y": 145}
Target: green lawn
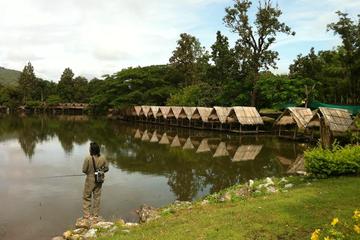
{"x": 291, "y": 215}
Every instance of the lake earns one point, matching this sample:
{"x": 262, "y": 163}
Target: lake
{"x": 148, "y": 164}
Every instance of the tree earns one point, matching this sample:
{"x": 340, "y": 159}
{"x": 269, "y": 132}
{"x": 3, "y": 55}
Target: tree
{"x": 81, "y": 93}
{"x": 350, "y": 36}
{"x": 66, "y": 86}
{"x": 223, "y": 58}
{"x": 253, "y": 46}
{"x": 27, "y": 82}
{"x": 190, "y": 59}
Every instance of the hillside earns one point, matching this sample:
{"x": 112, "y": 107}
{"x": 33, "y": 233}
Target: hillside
{"x": 8, "y": 76}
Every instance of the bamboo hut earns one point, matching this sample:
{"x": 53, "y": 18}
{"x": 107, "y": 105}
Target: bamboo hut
{"x": 201, "y": 115}
{"x": 174, "y": 113}
{"x": 185, "y": 115}
{"x": 332, "y": 122}
{"x": 294, "y": 119}
{"x": 244, "y": 117}
{"x": 135, "y": 111}
{"x": 152, "y": 112}
{"x": 218, "y": 115}
{"x": 144, "y": 112}
{"x": 246, "y": 153}
{"x": 204, "y": 146}
{"x": 221, "y": 150}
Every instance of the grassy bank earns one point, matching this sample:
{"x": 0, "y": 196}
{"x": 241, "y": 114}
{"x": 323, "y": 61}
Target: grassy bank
{"x": 292, "y": 214}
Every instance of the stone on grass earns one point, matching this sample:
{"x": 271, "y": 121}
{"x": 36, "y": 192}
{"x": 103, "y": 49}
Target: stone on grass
{"x": 83, "y": 223}
{"x": 58, "y": 238}
{"x": 75, "y": 237}
{"x": 147, "y": 213}
{"x": 271, "y": 189}
{"x": 79, "y": 231}
{"x": 251, "y": 183}
{"x": 242, "y": 192}
{"x": 226, "y": 197}
{"x": 130, "y": 224}
{"x": 67, "y": 234}
{"x": 91, "y": 233}
{"x": 269, "y": 181}
{"x": 289, "y": 185}
{"x": 103, "y": 225}
{"x": 120, "y": 222}
{"x": 204, "y": 202}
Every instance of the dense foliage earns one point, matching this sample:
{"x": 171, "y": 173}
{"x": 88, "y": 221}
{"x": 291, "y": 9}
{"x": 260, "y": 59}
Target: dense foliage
{"x": 333, "y": 162}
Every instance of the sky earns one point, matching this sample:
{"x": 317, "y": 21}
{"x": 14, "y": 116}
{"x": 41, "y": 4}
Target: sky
{"x": 95, "y": 37}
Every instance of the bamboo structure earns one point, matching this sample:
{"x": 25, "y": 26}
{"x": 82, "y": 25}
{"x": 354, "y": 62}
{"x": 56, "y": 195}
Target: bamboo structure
{"x": 244, "y": 117}
{"x": 293, "y": 120}
{"x": 332, "y": 122}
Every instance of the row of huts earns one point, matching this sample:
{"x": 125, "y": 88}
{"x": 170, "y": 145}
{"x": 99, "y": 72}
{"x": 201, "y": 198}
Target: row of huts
{"x": 293, "y": 122}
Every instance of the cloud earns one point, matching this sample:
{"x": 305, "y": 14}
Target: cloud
{"x": 100, "y": 37}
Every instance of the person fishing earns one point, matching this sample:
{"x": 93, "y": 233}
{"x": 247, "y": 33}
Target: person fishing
{"x": 94, "y": 167}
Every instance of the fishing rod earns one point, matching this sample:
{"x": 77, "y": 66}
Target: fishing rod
{"x": 63, "y": 176}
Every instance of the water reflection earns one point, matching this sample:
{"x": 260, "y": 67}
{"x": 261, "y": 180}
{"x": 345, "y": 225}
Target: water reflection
{"x": 194, "y": 162}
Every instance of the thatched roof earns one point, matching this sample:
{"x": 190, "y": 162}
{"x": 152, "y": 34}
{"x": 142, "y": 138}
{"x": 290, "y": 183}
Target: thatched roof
{"x": 188, "y": 111}
{"x": 135, "y": 111}
{"x": 163, "y": 112}
{"x": 153, "y": 111}
{"x": 295, "y": 115}
{"x": 201, "y": 113}
{"x": 219, "y": 114}
{"x": 137, "y": 134}
{"x": 144, "y": 111}
{"x": 338, "y": 120}
{"x": 204, "y": 146}
{"x": 188, "y": 144}
{"x": 145, "y": 137}
{"x": 154, "y": 137}
{"x": 221, "y": 150}
{"x": 164, "y": 139}
{"x": 176, "y": 142}
{"x": 246, "y": 152}
{"x": 245, "y": 116}
{"x": 284, "y": 160}
{"x": 174, "y": 112}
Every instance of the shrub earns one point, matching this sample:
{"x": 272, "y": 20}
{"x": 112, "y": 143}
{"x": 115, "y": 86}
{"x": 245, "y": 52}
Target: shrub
{"x": 332, "y": 162}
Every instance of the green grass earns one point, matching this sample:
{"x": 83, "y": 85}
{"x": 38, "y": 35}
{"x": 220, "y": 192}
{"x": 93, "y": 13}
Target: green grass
{"x": 288, "y": 215}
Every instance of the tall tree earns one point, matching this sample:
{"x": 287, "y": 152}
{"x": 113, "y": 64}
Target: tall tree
{"x": 81, "y": 93}
{"x": 190, "y": 59}
{"x": 66, "y": 86}
{"x": 223, "y": 59}
{"x": 27, "y": 82}
{"x": 350, "y": 36}
{"x": 253, "y": 46}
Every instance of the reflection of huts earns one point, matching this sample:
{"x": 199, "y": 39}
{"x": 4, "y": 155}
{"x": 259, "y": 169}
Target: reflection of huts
{"x": 152, "y": 113}
{"x": 246, "y": 152}
{"x": 293, "y": 119}
{"x": 154, "y": 137}
{"x": 204, "y": 146}
{"x": 218, "y": 116}
{"x": 201, "y": 116}
{"x": 332, "y": 122}
{"x": 137, "y": 134}
{"x": 145, "y": 137}
{"x": 221, "y": 150}
{"x": 244, "y": 118}
{"x": 188, "y": 144}
{"x": 164, "y": 139}
{"x": 176, "y": 142}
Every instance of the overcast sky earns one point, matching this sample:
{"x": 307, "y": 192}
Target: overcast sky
{"x": 95, "y": 37}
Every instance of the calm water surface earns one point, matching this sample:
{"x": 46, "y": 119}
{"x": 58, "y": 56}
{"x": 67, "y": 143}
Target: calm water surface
{"x": 148, "y": 164}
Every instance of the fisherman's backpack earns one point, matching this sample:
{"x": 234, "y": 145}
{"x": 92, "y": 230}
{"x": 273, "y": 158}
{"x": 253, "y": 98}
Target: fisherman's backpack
{"x": 99, "y": 175}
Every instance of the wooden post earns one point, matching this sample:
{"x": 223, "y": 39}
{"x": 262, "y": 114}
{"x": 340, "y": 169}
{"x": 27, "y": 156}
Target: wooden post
{"x": 295, "y": 133}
